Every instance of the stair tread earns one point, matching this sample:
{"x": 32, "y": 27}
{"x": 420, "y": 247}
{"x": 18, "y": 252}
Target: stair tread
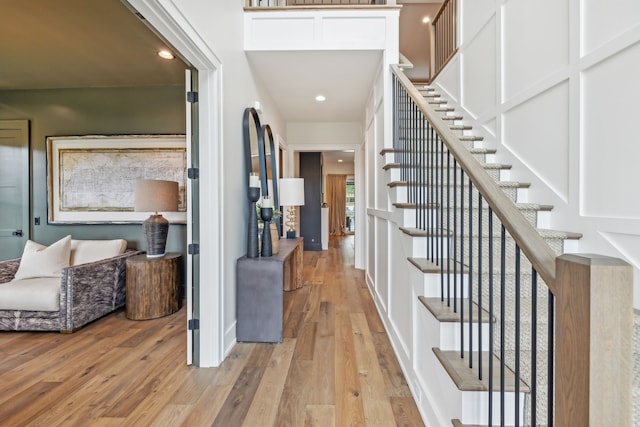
{"x": 491, "y": 166}
{"x": 482, "y": 150}
{"x": 466, "y": 379}
{"x": 406, "y": 205}
{"x": 445, "y": 313}
{"x": 418, "y": 232}
{"x": 387, "y": 150}
{"x": 520, "y": 206}
{"x": 391, "y": 166}
{"x": 425, "y": 265}
{"x": 570, "y": 235}
{"x": 458, "y": 423}
{"x": 505, "y": 184}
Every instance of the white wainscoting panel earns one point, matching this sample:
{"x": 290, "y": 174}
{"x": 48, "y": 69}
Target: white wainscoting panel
{"x": 603, "y": 21}
{"x": 538, "y": 127}
{"x": 478, "y": 72}
{"x": 475, "y": 15}
{"x": 535, "y": 42}
{"x": 610, "y": 152}
{"x": 449, "y": 79}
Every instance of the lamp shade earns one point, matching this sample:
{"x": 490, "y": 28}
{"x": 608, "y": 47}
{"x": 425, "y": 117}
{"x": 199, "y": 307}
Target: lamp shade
{"x": 153, "y": 195}
{"x": 291, "y": 191}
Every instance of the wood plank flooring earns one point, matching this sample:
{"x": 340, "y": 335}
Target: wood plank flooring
{"x": 335, "y": 367}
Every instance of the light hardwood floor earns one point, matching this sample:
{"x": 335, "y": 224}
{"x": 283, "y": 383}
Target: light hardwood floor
{"x": 335, "y": 367}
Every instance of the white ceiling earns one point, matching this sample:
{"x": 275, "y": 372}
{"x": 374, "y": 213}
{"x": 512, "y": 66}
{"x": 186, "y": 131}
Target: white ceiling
{"x": 293, "y": 79}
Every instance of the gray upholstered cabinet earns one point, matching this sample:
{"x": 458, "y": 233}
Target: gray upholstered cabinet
{"x": 260, "y": 283}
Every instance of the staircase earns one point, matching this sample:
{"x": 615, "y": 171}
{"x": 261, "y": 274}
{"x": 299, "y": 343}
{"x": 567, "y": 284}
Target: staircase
{"x": 481, "y": 311}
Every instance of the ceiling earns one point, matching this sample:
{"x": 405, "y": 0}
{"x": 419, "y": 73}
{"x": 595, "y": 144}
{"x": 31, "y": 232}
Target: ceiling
{"x": 101, "y": 43}
{"x": 80, "y": 43}
{"x": 294, "y": 79}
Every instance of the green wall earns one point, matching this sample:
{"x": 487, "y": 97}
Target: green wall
{"x": 93, "y": 111}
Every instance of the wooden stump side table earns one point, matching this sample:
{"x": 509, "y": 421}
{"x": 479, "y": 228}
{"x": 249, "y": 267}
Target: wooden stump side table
{"x": 153, "y": 286}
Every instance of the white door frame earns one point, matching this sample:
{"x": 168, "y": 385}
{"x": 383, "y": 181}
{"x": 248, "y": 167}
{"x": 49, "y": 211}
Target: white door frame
{"x": 358, "y": 166}
{"x": 165, "y": 17}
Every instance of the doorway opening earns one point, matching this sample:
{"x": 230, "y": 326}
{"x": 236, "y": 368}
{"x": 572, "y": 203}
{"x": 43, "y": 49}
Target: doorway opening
{"x": 350, "y": 206}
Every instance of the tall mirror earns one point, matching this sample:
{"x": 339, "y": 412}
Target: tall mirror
{"x": 254, "y": 150}
{"x": 271, "y": 163}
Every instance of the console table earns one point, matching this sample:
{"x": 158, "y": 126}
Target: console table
{"x": 260, "y": 283}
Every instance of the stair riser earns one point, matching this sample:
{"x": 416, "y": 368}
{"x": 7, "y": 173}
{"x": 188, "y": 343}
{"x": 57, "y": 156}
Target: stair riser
{"x": 433, "y": 218}
{"x": 430, "y": 190}
{"x": 398, "y": 194}
{"x": 415, "y": 247}
{"x": 392, "y": 174}
{"x": 408, "y": 139}
{"x": 436, "y": 175}
{"x": 478, "y": 404}
{"x": 470, "y": 407}
{"x": 450, "y": 336}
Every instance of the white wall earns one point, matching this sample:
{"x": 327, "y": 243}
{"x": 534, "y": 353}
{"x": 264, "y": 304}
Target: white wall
{"x": 553, "y": 85}
{"x": 220, "y": 25}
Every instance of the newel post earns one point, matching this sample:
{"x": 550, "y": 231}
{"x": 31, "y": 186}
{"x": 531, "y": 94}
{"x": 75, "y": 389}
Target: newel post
{"x": 593, "y": 336}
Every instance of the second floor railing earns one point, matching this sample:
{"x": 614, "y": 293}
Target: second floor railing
{"x": 444, "y": 36}
{"x": 288, "y": 3}
{"x": 527, "y": 312}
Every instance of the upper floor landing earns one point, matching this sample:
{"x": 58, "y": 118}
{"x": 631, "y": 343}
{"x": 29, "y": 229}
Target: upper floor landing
{"x": 289, "y": 25}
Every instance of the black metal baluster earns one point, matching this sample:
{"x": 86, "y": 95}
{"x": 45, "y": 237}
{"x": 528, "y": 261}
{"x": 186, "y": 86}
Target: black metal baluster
{"x": 448, "y": 229}
{"x": 455, "y": 236}
{"x": 517, "y": 361}
{"x": 423, "y": 166}
{"x": 432, "y": 190}
{"x": 480, "y": 286}
{"x": 470, "y": 275}
{"x": 502, "y": 304}
{"x": 491, "y": 316}
{"x": 462, "y": 264}
{"x": 534, "y": 344}
{"x": 550, "y": 349}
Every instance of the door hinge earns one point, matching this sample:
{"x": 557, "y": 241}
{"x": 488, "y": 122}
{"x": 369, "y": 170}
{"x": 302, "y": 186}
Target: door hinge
{"x": 193, "y": 173}
{"x": 192, "y": 97}
{"x": 193, "y": 248}
{"x": 193, "y": 324}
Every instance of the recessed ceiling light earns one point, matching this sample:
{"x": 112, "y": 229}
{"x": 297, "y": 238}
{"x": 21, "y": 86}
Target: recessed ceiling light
{"x": 349, "y": 151}
{"x": 425, "y": 19}
{"x": 165, "y": 54}
{"x": 321, "y": 98}
{"x": 340, "y": 160}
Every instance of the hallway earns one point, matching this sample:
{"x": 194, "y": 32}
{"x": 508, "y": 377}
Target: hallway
{"x": 335, "y": 367}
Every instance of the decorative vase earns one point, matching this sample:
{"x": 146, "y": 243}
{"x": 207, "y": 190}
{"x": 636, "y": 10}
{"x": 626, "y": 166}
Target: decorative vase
{"x": 275, "y": 239}
{"x": 266, "y": 214}
{"x": 252, "y": 232}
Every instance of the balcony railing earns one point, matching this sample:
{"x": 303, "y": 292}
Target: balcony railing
{"x": 293, "y": 3}
{"x": 444, "y": 36}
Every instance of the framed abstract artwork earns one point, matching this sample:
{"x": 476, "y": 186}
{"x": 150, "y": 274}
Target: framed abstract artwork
{"x": 91, "y": 179}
